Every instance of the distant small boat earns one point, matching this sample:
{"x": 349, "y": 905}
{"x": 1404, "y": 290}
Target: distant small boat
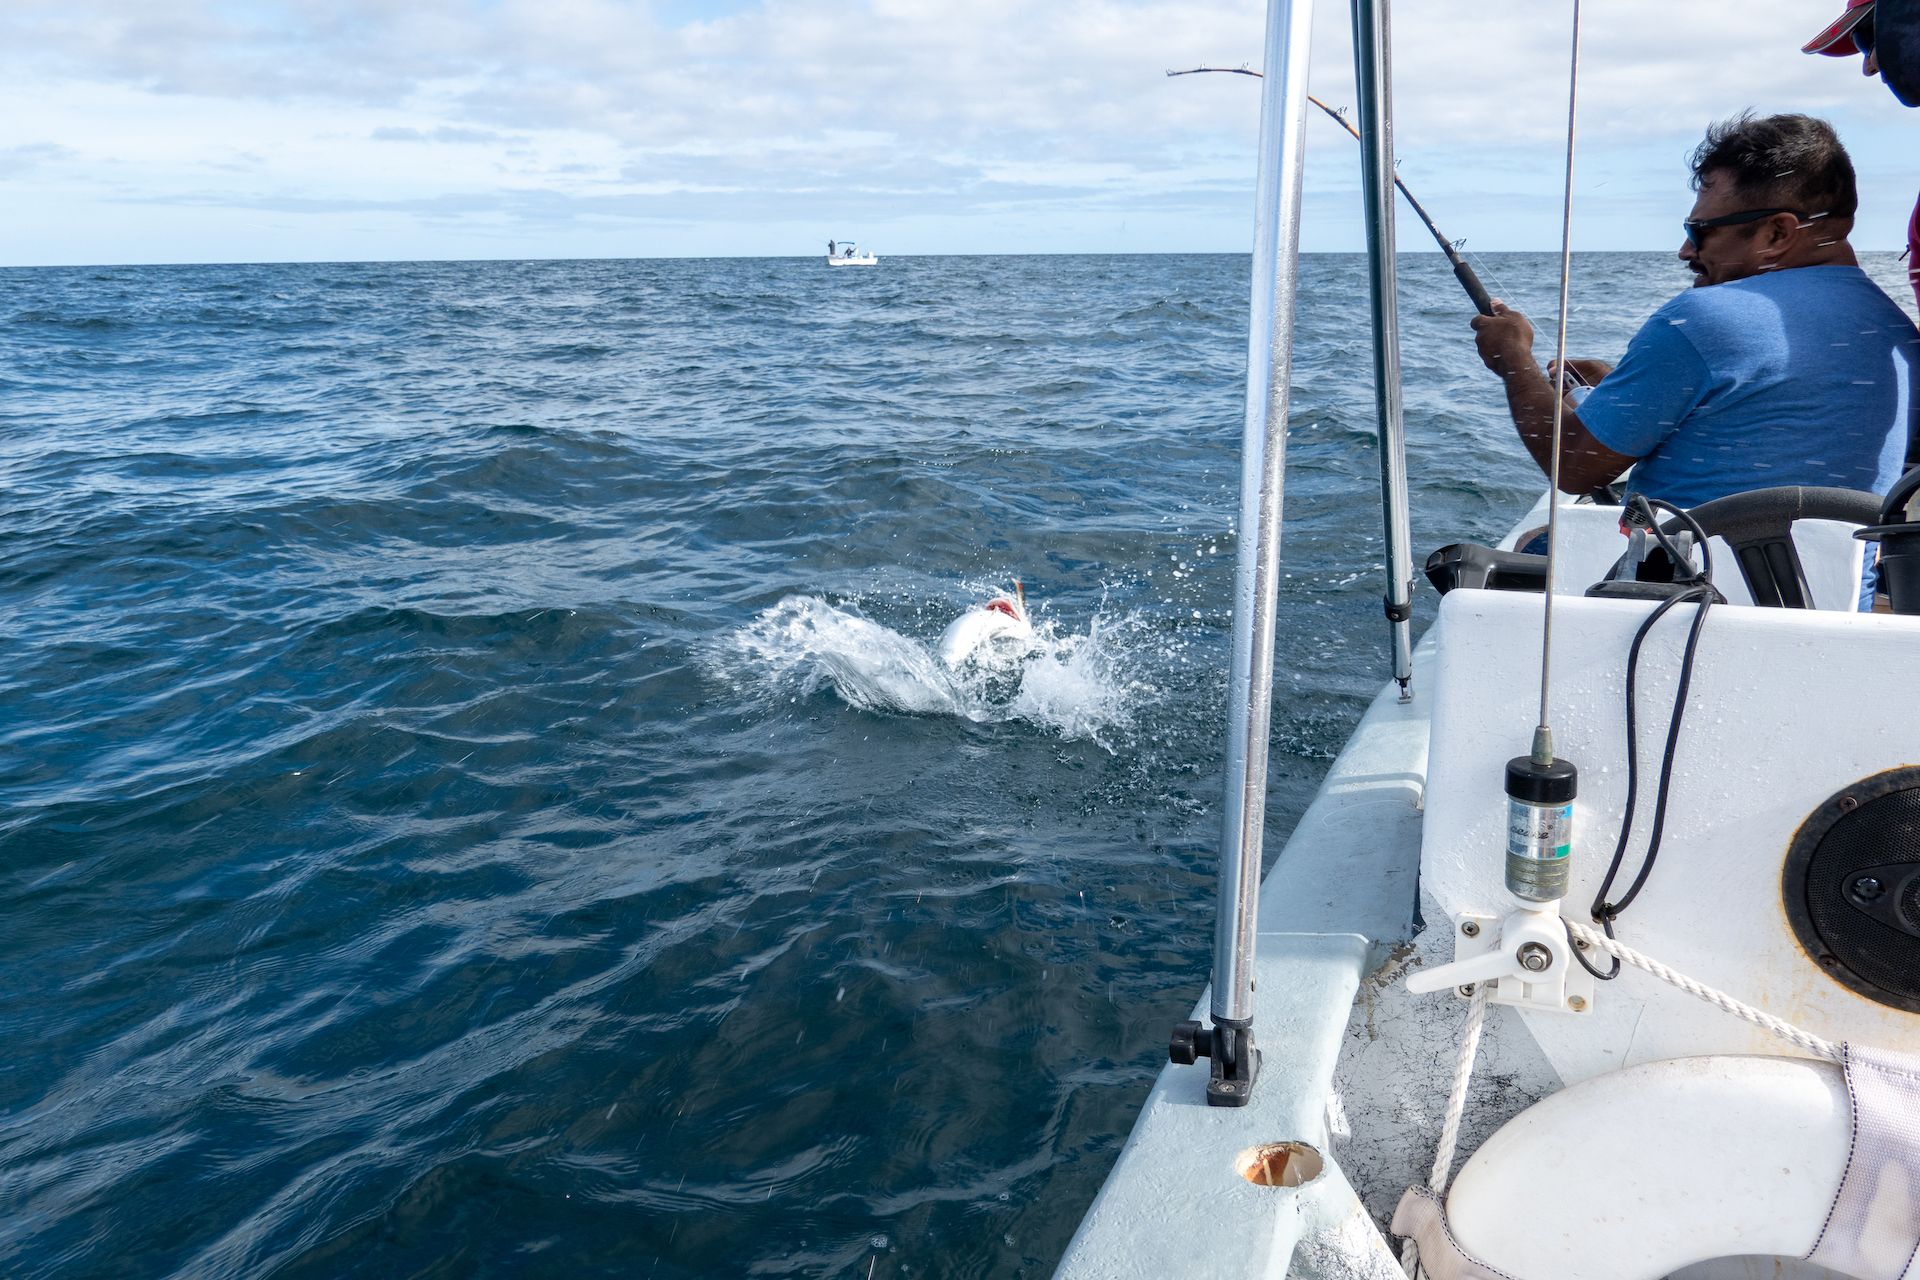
{"x": 845, "y": 253}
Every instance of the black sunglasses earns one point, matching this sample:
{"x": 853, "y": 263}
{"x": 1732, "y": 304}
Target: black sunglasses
{"x": 1862, "y": 35}
{"x": 1697, "y": 227}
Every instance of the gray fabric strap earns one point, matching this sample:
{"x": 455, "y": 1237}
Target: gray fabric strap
{"x": 1873, "y": 1229}
{"x": 1421, "y": 1217}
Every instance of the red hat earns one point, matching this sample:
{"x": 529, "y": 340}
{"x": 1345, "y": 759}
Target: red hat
{"x": 1837, "y": 40}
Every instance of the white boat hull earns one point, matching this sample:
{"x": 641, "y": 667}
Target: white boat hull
{"x": 865, "y": 260}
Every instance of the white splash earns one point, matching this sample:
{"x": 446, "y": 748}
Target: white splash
{"x": 803, "y": 642}
{"x": 1073, "y": 685}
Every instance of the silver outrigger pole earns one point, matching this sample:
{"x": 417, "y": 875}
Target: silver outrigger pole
{"x": 1276, "y": 260}
{"x": 1373, "y": 76}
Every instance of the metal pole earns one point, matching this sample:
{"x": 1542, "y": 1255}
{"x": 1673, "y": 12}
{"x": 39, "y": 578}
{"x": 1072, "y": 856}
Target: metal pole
{"x": 1373, "y": 73}
{"x": 1276, "y": 260}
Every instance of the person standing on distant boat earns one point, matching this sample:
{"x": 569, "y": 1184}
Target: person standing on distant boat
{"x": 829, "y": 248}
{"x": 1784, "y": 365}
{"x": 1886, "y": 35}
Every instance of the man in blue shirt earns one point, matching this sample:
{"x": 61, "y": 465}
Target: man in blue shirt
{"x": 1784, "y": 364}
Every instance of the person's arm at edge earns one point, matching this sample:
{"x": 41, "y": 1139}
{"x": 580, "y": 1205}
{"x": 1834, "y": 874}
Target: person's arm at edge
{"x": 1585, "y": 463}
{"x": 1505, "y": 340}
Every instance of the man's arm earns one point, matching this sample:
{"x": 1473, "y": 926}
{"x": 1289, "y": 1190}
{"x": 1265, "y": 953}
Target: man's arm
{"x": 1585, "y": 463}
{"x": 1505, "y": 340}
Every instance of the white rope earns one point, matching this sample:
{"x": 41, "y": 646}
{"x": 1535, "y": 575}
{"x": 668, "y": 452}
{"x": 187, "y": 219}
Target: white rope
{"x": 1410, "y": 1256}
{"x": 1457, "y": 1100}
{"x": 1456, "y": 1108}
{"x": 1719, "y": 999}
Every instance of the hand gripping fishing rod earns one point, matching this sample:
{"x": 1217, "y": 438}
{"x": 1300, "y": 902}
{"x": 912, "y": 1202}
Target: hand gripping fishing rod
{"x": 1482, "y": 301}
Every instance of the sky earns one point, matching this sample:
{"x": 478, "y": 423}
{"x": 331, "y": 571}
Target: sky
{"x": 136, "y": 131}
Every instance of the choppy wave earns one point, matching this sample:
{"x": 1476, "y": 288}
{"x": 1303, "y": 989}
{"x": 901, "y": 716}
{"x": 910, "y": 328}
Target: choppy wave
{"x": 1073, "y": 685}
{"x": 477, "y": 795}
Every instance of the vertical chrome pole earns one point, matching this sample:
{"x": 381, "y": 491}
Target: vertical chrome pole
{"x": 1276, "y": 261}
{"x": 1373, "y": 73}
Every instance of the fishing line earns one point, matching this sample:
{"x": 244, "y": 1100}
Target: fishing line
{"x": 1463, "y": 271}
{"x": 1476, "y": 291}
{"x": 1491, "y": 276}
{"x": 1487, "y": 272}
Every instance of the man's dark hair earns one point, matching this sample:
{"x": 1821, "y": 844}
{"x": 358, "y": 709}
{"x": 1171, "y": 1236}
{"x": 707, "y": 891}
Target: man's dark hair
{"x": 1792, "y": 161}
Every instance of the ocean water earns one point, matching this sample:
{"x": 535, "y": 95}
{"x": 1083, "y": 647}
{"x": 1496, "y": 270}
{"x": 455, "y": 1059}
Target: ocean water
{"x": 477, "y": 797}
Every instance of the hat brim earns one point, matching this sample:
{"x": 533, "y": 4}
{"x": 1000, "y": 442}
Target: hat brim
{"x": 1836, "y": 41}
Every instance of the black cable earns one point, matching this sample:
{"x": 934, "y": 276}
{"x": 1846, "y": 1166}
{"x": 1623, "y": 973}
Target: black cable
{"x": 1639, "y": 514}
{"x": 1603, "y": 911}
{"x": 1613, "y": 910}
{"x": 1580, "y": 947}
{"x": 1697, "y": 589}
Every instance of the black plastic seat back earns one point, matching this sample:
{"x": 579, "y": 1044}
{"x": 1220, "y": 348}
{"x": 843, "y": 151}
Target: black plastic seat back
{"x": 1758, "y": 526}
{"x": 1468, "y": 564}
{"x": 1898, "y": 533}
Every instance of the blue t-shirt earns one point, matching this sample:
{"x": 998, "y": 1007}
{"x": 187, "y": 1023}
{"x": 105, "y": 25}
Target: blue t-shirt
{"x": 1802, "y": 376}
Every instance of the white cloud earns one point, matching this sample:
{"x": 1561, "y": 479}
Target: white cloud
{"x": 915, "y": 115}
{"x": 29, "y": 156}
{"x": 445, "y": 133}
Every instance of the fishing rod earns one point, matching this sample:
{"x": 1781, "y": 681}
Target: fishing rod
{"x": 1482, "y": 300}
{"x": 1570, "y": 378}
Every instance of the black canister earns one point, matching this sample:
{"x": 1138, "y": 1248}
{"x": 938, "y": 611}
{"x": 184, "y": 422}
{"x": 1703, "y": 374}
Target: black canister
{"x": 1899, "y": 546}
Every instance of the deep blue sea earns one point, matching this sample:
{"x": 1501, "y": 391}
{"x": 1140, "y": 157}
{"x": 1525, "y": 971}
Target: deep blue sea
{"x": 477, "y": 798}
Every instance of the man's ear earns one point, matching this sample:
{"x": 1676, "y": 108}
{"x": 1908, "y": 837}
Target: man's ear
{"x": 1777, "y": 234}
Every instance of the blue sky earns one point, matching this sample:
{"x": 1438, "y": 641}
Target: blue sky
{"x": 169, "y": 131}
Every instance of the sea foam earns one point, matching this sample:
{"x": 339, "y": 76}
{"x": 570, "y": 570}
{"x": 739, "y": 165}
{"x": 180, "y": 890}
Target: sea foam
{"x": 1072, "y": 684}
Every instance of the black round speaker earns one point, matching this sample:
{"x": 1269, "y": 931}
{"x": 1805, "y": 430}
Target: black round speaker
{"x": 1852, "y": 887}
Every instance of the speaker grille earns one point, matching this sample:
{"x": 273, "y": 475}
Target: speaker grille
{"x": 1851, "y": 887}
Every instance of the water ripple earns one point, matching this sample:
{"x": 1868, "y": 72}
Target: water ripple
{"x": 476, "y": 796}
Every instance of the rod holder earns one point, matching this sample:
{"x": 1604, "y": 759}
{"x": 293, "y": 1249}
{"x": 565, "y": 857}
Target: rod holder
{"x": 1234, "y": 1059}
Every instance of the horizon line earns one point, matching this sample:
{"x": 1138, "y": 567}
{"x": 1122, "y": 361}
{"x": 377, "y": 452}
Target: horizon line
{"x": 801, "y": 257}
